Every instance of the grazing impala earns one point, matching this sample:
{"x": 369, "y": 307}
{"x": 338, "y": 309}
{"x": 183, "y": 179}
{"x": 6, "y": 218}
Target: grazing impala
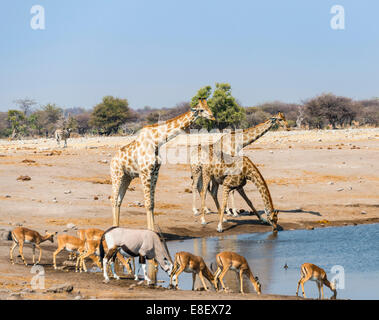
{"x": 71, "y": 244}
{"x": 312, "y": 272}
{"x": 21, "y": 235}
{"x": 230, "y": 260}
{"x": 91, "y": 248}
{"x": 187, "y": 262}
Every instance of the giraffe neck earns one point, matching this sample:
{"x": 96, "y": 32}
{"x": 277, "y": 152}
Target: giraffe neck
{"x": 252, "y": 134}
{"x": 255, "y": 176}
{"x": 171, "y": 128}
{"x": 235, "y": 141}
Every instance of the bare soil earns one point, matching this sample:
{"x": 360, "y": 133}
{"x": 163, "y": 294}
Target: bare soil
{"x": 316, "y": 179}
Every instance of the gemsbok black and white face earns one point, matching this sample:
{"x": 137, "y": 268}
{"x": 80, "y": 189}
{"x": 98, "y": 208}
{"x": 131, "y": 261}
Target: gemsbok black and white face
{"x": 167, "y": 267}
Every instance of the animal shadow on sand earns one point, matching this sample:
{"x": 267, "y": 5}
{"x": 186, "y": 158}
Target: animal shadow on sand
{"x": 236, "y": 222}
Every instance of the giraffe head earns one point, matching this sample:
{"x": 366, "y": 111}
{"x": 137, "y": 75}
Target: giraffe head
{"x": 202, "y": 110}
{"x": 280, "y": 120}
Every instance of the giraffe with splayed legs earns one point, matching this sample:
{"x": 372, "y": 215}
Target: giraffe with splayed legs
{"x": 230, "y": 144}
{"x": 233, "y": 175}
{"x": 140, "y": 158}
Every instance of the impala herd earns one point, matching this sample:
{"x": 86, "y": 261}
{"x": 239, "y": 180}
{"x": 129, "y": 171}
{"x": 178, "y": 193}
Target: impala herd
{"x": 126, "y": 244}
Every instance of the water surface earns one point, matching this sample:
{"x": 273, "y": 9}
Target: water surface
{"x": 355, "y": 248}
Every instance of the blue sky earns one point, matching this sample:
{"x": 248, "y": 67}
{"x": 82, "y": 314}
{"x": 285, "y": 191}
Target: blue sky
{"x": 159, "y": 53}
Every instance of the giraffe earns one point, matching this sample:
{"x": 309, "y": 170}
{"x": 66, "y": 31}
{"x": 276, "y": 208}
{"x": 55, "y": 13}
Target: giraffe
{"x": 229, "y": 143}
{"x": 233, "y": 175}
{"x": 140, "y": 158}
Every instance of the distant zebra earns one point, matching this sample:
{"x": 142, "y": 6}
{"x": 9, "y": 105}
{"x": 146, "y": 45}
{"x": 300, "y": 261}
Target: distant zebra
{"x": 62, "y": 134}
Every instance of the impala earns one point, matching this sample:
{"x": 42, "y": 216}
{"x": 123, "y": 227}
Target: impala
{"x": 230, "y": 260}
{"x": 312, "y": 272}
{"x": 21, "y": 235}
{"x": 71, "y": 244}
{"x": 187, "y": 262}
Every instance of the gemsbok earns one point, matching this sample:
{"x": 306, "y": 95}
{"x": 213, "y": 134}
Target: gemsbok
{"x": 133, "y": 243}
{"x": 230, "y": 260}
{"x": 21, "y": 235}
{"x": 187, "y": 262}
{"x": 312, "y": 272}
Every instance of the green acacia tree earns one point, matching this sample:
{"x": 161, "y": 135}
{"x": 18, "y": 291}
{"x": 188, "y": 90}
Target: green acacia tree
{"x": 110, "y": 114}
{"x": 17, "y": 122}
{"x": 227, "y": 111}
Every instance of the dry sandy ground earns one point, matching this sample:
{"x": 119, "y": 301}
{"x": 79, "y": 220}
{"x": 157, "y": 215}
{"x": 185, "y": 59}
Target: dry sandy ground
{"x": 316, "y": 179}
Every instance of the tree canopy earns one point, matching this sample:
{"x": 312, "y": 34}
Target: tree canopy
{"x": 110, "y": 114}
{"x": 225, "y": 108}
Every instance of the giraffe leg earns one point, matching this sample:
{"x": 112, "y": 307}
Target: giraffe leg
{"x": 225, "y": 195}
{"x": 199, "y": 190}
{"x": 206, "y": 181}
{"x": 241, "y": 191}
{"x": 196, "y": 187}
{"x": 214, "y": 192}
{"x": 149, "y": 181}
{"x": 119, "y": 186}
{"x": 233, "y": 205}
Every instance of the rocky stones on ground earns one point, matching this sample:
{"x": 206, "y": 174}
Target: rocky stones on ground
{"x": 68, "y": 263}
{"x": 14, "y": 296}
{"x": 24, "y": 178}
{"x": 70, "y": 226}
{"x": 67, "y": 192}
{"x": 28, "y": 161}
{"x": 136, "y": 204}
{"x": 60, "y": 288}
